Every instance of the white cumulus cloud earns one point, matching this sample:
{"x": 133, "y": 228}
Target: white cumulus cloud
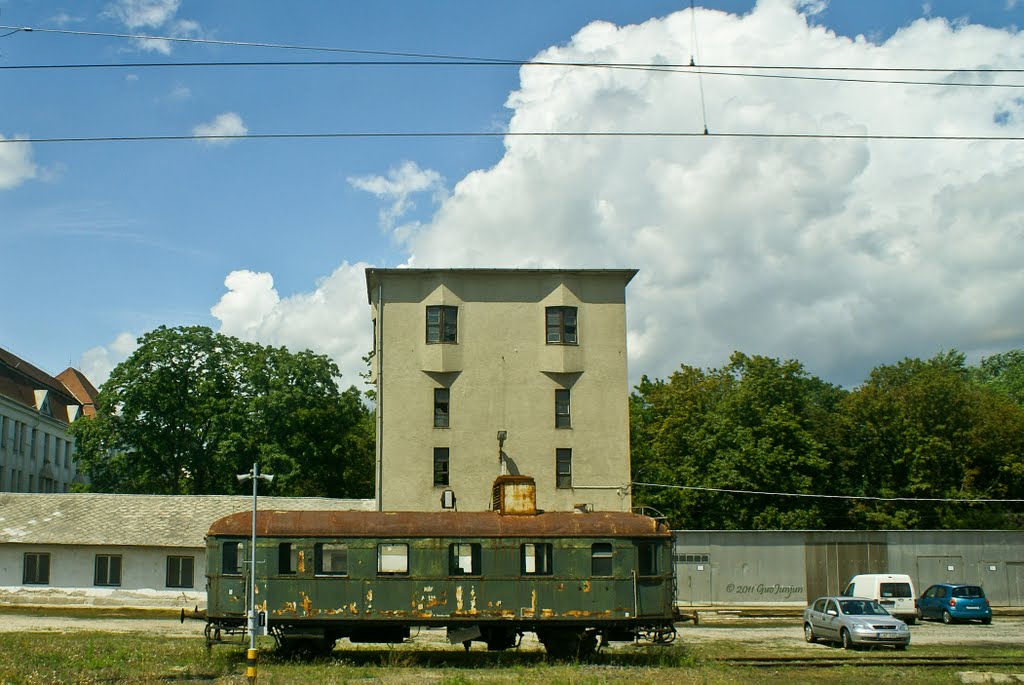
{"x": 844, "y": 254}
{"x": 333, "y": 319}
{"x": 226, "y": 124}
{"x": 16, "y": 164}
{"x": 398, "y": 187}
{"x": 97, "y": 363}
{"x": 153, "y": 16}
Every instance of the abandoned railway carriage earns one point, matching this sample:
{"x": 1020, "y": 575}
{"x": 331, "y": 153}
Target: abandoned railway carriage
{"x": 575, "y": 579}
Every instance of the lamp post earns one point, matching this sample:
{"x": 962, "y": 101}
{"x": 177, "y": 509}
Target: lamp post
{"x": 255, "y": 476}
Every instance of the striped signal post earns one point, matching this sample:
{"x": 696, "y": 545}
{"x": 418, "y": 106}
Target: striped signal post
{"x": 250, "y": 663}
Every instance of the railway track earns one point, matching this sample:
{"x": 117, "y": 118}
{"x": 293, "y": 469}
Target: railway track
{"x": 1012, "y": 663}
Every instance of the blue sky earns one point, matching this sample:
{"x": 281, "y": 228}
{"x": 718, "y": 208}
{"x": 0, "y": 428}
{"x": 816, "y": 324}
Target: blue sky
{"x": 842, "y": 254}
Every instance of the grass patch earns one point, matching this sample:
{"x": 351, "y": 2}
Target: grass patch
{"x": 90, "y": 657}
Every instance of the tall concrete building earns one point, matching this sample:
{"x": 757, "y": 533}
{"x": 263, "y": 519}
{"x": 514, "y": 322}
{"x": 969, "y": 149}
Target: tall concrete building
{"x": 485, "y": 372}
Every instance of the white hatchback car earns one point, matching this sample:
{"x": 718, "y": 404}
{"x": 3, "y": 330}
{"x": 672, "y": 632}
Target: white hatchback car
{"x": 854, "y": 622}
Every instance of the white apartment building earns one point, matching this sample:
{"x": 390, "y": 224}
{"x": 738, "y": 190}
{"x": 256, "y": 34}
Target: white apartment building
{"x": 484, "y": 372}
{"x": 36, "y": 409}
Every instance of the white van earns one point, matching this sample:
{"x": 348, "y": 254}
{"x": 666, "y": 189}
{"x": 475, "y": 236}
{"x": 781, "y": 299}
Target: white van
{"x": 894, "y": 591}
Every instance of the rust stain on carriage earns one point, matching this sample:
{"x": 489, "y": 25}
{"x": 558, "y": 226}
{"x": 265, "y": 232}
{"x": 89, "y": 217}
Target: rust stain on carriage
{"x": 491, "y": 524}
{"x": 586, "y": 586}
{"x": 576, "y": 613}
{"x": 302, "y": 561}
{"x": 307, "y": 604}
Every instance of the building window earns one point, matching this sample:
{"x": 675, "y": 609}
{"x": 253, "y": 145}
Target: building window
{"x": 563, "y": 468}
{"x": 440, "y": 407}
{"x": 331, "y": 559}
{"x": 231, "y": 558}
{"x": 464, "y": 559}
{"x": 287, "y": 558}
{"x": 561, "y": 325}
{"x": 442, "y": 324}
{"x": 562, "y": 419}
{"x": 393, "y": 559}
{"x": 536, "y": 559}
{"x": 180, "y": 571}
{"x": 37, "y": 569}
{"x": 601, "y": 559}
{"x": 693, "y": 558}
{"x": 108, "y": 569}
{"x": 647, "y": 559}
{"x": 441, "y": 466}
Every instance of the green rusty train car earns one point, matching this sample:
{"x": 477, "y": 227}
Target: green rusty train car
{"x": 575, "y": 579}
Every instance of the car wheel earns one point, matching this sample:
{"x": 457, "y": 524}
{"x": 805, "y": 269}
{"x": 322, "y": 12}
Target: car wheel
{"x": 911, "y": 621}
{"x": 809, "y": 633}
{"x": 844, "y": 637}
{"x": 986, "y": 621}
{"x": 946, "y": 618}
{"x": 900, "y": 648}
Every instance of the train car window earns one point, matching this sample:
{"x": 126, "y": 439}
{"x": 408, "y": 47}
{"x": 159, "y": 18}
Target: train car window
{"x": 393, "y": 559}
{"x": 647, "y": 559}
{"x": 464, "y": 559}
{"x": 287, "y": 558}
{"x": 108, "y": 569}
{"x": 536, "y": 559}
{"x": 601, "y": 559}
{"x": 180, "y": 571}
{"x": 331, "y": 559}
{"x": 231, "y": 558}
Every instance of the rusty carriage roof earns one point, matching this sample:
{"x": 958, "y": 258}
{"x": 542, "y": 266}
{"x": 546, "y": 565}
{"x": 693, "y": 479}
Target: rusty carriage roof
{"x": 484, "y": 524}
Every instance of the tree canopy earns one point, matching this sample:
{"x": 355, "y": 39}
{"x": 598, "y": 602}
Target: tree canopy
{"x": 191, "y": 408}
{"x": 883, "y": 455}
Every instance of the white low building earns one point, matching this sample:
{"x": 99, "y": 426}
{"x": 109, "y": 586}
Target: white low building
{"x": 119, "y": 550}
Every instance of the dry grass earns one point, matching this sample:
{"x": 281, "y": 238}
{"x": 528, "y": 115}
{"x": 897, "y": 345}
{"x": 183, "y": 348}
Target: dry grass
{"x": 89, "y": 657}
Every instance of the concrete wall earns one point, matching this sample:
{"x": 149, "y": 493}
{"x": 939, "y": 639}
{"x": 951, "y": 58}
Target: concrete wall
{"x": 502, "y": 376}
{"x": 143, "y": 577}
{"x": 794, "y": 567}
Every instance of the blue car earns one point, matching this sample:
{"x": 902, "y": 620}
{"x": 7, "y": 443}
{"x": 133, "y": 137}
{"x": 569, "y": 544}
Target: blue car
{"x": 952, "y": 602}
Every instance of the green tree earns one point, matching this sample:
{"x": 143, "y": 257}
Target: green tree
{"x": 758, "y": 424}
{"x": 922, "y": 430}
{"x": 1003, "y": 372}
{"x": 191, "y": 408}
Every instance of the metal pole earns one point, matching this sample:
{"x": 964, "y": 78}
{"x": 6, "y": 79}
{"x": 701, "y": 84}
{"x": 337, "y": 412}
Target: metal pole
{"x": 252, "y": 561}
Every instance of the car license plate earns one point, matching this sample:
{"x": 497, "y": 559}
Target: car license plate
{"x": 890, "y": 636}
{"x": 971, "y": 608}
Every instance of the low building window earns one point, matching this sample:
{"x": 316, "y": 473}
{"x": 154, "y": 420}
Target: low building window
{"x": 441, "y": 407}
{"x": 442, "y": 324}
{"x": 108, "y": 570}
{"x": 393, "y": 559}
{"x": 37, "y": 568}
{"x": 331, "y": 559}
{"x": 180, "y": 572}
{"x": 563, "y": 468}
{"x": 231, "y": 558}
{"x": 561, "y": 325}
{"x": 601, "y": 559}
{"x": 441, "y": 466}
{"x": 536, "y": 559}
{"x": 464, "y": 559}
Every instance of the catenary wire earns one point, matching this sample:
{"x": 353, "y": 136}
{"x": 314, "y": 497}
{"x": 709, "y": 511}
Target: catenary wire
{"x": 516, "y": 134}
{"x": 462, "y": 60}
{"x": 847, "y": 497}
{"x": 694, "y": 69}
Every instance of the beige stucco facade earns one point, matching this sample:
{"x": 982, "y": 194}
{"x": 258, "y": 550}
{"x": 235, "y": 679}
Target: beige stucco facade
{"x": 501, "y": 373}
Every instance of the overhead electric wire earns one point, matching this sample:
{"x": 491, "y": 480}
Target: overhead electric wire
{"x": 688, "y": 69}
{"x": 848, "y": 497}
{"x": 433, "y": 59}
{"x": 513, "y": 134}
